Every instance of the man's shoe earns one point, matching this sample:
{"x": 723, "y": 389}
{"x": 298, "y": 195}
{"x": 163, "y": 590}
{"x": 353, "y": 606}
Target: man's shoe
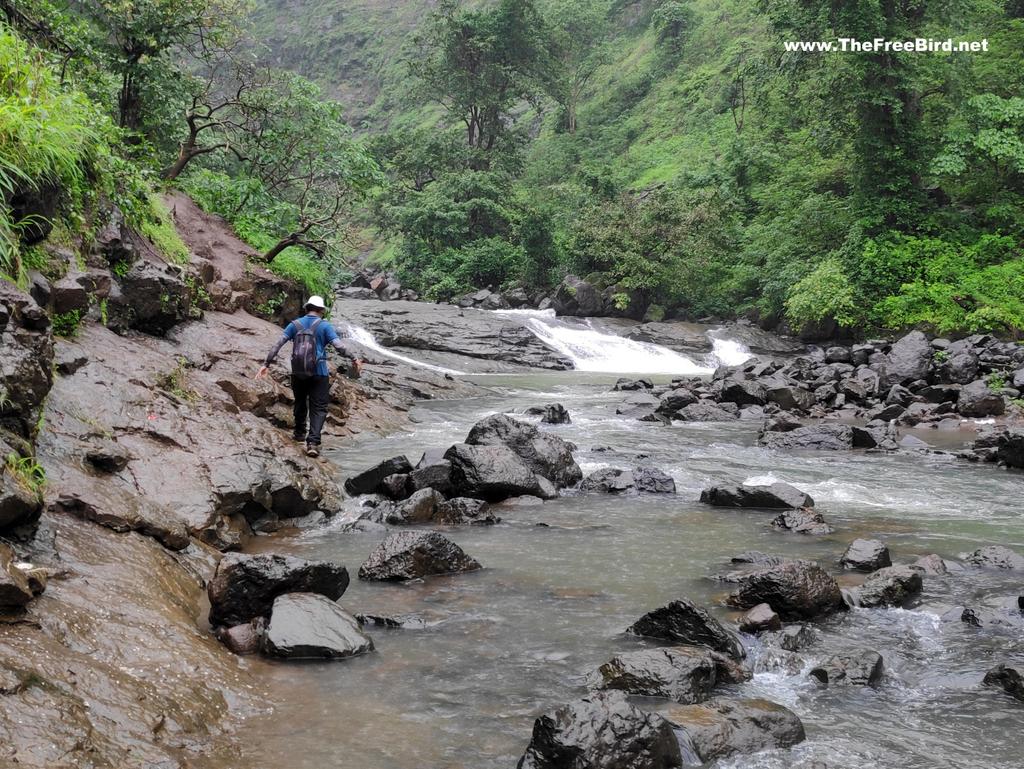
{"x": 312, "y": 450}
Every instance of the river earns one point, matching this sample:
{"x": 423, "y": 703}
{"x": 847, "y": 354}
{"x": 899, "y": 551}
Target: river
{"x": 502, "y": 645}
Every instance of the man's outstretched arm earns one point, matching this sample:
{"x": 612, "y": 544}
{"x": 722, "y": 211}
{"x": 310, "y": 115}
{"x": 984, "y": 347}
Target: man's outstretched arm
{"x": 287, "y": 336}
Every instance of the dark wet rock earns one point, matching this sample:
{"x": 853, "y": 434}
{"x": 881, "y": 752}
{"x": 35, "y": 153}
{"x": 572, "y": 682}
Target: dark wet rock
{"x": 684, "y": 622}
{"x": 245, "y": 586}
{"x": 412, "y": 555}
{"x": 152, "y": 297}
{"x": 782, "y": 422}
{"x": 369, "y": 481}
{"x": 757, "y": 557}
{"x": 555, "y": 414}
{"x": 15, "y": 589}
{"x": 433, "y": 475}
{"x": 995, "y": 557}
{"x": 26, "y": 359}
{"x": 705, "y": 412}
{"x": 545, "y": 454}
{"x": 760, "y": 618}
{"x": 243, "y": 639}
{"x": 891, "y": 586}
{"x": 723, "y": 727}
{"x": 796, "y": 590}
{"x": 792, "y": 638}
{"x": 909, "y": 359}
{"x": 108, "y": 457}
{"x": 863, "y": 668}
{"x": 578, "y": 297}
{"x": 676, "y": 399}
{"x": 132, "y": 514}
{"x": 601, "y": 731}
{"x": 744, "y": 392}
{"x": 789, "y": 397}
{"x": 977, "y": 399}
{"x": 633, "y": 384}
{"x": 610, "y": 480}
{"x": 395, "y": 486}
{"x": 684, "y": 674}
{"x": 310, "y": 626}
{"x": 19, "y": 505}
{"x": 393, "y": 621}
{"x": 1008, "y": 679}
{"x": 427, "y": 506}
{"x": 960, "y": 366}
{"x": 802, "y": 522}
{"x": 875, "y": 436}
{"x": 493, "y": 473}
{"x": 651, "y": 480}
{"x": 821, "y": 437}
{"x": 774, "y": 496}
{"x": 459, "y": 510}
{"x": 729, "y": 670}
{"x": 866, "y": 555}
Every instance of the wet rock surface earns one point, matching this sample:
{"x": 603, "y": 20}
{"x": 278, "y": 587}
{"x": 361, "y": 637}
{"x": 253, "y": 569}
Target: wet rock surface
{"x": 724, "y": 727}
{"x": 547, "y": 455}
{"x": 684, "y": 674}
{"x": 413, "y": 555}
{"x": 684, "y": 622}
{"x": 864, "y": 668}
{"x": 866, "y": 555}
{"x": 796, "y": 590}
{"x": 996, "y": 557}
{"x": 601, "y": 731}
{"x": 1007, "y": 678}
{"x": 891, "y": 586}
{"x": 311, "y": 626}
{"x": 245, "y": 586}
{"x": 802, "y": 522}
{"x": 775, "y": 495}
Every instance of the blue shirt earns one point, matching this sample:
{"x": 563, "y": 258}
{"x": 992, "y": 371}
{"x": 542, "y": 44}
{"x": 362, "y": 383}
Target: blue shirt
{"x": 324, "y": 335}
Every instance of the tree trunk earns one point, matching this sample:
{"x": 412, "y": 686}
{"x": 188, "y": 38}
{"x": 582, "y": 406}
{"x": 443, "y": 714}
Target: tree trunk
{"x": 281, "y": 245}
{"x": 129, "y": 107}
{"x": 185, "y": 155}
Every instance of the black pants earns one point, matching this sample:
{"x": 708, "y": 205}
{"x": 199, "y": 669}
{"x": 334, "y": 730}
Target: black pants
{"x": 312, "y": 394}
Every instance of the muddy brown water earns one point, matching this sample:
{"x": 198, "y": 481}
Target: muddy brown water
{"x": 503, "y": 645}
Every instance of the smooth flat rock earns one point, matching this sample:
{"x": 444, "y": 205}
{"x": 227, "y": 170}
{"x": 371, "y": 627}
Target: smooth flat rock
{"x": 310, "y": 626}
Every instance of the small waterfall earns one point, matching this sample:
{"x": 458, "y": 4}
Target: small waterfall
{"x": 591, "y": 349}
{"x": 366, "y": 339}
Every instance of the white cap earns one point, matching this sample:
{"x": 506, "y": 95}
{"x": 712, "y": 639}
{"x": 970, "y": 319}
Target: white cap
{"x": 317, "y": 302}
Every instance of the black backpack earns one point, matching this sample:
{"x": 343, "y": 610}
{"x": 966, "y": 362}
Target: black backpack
{"x": 304, "y": 357}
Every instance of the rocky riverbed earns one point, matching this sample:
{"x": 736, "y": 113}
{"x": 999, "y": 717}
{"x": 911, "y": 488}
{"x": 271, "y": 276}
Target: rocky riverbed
{"x": 769, "y": 561}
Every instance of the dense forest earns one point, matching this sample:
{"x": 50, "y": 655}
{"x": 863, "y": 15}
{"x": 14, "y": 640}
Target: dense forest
{"x": 673, "y": 152}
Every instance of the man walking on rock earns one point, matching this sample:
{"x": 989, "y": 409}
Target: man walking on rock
{"x": 311, "y": 382}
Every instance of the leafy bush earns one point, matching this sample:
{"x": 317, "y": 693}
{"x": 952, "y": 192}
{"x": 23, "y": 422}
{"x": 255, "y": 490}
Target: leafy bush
{"x": 304, "y": 269}
{"x": 65, "y": 324}
{"x": 824, "y": 294}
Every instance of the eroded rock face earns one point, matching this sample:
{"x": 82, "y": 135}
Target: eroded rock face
{"x": 310, "y": 626}
{"x": 493, "y": 473}
{"x": 547, "y": 455}
{"x": 723, "y": 727}
{"x": 862, "y": 668}
{"x": 802, "y": 522}
{"x": 684, "y": 622}
{"x": 796, "y": 590}
{"x": 776, "y": 495}
{"x": 601, "y": 731}
{"x": 684, "y": 674}
{"x": 26, "y": 359}
{"x": 412, "y": 555}
{"x": 245, "y": 586}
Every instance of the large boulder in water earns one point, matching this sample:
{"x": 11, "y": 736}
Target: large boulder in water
{"x": 601, "y": 731}
{"x": 863, "y": 668}
{"x": 684, "y": 674}
{"x": 547, "y": 455}
{"x": 309, "y": 626}
{"x": 891, "y": 586}
{"x": 795, "y": 589}
{"x": 653, "y": 480}
{"x": 723, "y": 727}
{"x": 811, "y": 438}
{"x": 684, "y": 622}
{"x": 776, "y": 495}
{"x": 979, "y": 400}
{"x": 245, "y": 586}
{"x": 866, "y": 555}
{"x": 369, "y": 481}
{"x": 494, "y": 473}
{"x": 610, "y": 480}
{"x": 996, "y": 557}
{"x": 413, "y": 554}
{"x": 1008, "y": 679}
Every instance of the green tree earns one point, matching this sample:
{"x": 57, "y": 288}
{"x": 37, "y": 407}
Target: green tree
{"x": 578, "y": 31}
{"x": 479, "y": 63}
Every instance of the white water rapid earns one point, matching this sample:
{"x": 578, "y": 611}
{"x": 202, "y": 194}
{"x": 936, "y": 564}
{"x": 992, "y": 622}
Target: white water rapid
{"x": 591, "y": 349}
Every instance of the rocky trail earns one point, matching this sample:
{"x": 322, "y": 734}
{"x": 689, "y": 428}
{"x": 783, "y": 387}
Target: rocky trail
{"x": 574, "y": 556}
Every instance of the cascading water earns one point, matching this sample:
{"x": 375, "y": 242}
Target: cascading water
{"x": 366, "y": 339}
{"x": 591, "y": 349}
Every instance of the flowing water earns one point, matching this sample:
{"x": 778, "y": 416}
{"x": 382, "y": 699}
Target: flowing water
{"x": 500, "y": 646}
